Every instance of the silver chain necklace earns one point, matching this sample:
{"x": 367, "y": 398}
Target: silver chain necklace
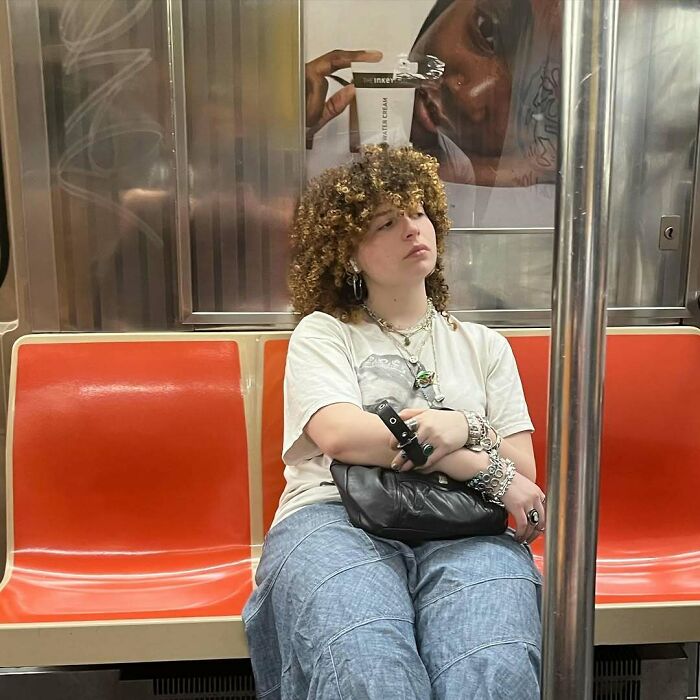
{"x": 406, "y": 333}
{"x": 423, "y": 378}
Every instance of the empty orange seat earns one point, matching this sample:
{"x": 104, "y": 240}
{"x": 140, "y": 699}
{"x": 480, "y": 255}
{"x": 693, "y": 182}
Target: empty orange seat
{"x": 128, "y": 496}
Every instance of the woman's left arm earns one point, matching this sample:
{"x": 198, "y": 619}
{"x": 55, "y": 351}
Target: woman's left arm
{"x": 447, "y": 432}
{"x": 518, "y": 448}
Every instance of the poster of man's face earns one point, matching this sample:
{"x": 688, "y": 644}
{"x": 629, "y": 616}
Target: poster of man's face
{"x": 489, "y": 114}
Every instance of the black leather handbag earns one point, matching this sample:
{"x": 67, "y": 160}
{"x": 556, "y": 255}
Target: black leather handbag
{"x": 410, "y": 506}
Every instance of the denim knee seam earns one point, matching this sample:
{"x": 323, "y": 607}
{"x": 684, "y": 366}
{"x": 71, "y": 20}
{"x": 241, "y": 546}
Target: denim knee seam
{"x": 275, "y": 576}
{"x": 481, "y": 647}
{"x": 354, "y": 626}
{"x": 471, "y": 584}
{"x": 335, "y": 673}
{"x": 349, "y": 568}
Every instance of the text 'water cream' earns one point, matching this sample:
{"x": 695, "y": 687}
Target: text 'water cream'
{"x": 384, "y": 94}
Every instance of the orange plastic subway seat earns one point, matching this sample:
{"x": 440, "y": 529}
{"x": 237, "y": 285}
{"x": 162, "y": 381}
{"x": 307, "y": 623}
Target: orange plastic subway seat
{"x": 128, "y": 494}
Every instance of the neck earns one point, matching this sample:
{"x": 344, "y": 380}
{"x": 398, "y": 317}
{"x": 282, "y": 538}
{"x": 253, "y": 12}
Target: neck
{"x": 402, "y": 308}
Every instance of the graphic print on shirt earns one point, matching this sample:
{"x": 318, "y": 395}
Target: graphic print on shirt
{"x": 389, "y": 377}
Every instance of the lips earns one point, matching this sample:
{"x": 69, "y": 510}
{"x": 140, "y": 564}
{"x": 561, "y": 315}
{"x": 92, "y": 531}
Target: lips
{"x": 417, "y": 249}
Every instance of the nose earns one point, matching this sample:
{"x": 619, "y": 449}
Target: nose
{"x": 410, "y": 229}
{"x": 474, "y": 94}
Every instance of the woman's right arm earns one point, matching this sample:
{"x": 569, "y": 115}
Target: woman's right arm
{"x": 345, "y": 432}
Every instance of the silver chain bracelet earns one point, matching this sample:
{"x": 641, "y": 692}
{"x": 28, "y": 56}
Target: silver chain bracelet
{"x": 495, "y": 480}
{"x": 478, "y": 433}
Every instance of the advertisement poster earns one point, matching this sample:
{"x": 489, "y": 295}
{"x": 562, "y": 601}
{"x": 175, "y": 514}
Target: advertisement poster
{"x": 480, "y": 92}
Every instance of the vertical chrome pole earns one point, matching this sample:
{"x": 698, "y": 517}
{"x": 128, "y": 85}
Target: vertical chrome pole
{"x": 178, "y": 104}
{"x": 578, "y": 346}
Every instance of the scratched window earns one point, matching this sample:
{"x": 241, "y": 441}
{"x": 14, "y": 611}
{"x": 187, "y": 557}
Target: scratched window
{"x": 109, "y": 128}
{"x": 110, "y": 97}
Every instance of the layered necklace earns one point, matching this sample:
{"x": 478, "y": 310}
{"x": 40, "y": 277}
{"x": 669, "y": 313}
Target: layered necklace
{"x": 423, "y": 378}
{"x": 406, "y": 333}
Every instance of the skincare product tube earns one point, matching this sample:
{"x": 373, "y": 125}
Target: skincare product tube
{"x": 384, "y": 96}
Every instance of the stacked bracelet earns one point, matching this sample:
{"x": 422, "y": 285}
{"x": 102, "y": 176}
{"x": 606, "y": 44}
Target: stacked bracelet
{"x": 478, "y": 433}
{"x": 495, "y": 480}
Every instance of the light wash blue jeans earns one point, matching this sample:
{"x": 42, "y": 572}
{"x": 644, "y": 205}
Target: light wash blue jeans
{"x": 342, "y": 614}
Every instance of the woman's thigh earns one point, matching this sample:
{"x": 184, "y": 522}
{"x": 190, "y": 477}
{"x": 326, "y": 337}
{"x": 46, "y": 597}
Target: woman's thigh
{"x": 477, "y": 604}
{"x": 333, "y": 610}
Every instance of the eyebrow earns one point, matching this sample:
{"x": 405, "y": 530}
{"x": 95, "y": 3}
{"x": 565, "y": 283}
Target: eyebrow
{"x": 383, "y": 212}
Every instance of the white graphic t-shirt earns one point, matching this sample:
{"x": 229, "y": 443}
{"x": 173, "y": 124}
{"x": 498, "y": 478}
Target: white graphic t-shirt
{"x": 333, "y": 362}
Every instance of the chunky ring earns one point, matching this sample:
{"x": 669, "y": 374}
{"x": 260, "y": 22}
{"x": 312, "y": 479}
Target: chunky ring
{"x": 412, "y": 424}
{"x": 428, "y": 449}
{"x": 533, "y": 517}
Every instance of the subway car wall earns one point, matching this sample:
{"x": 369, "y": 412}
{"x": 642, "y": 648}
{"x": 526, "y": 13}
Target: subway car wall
{"x": 153, "y": 152}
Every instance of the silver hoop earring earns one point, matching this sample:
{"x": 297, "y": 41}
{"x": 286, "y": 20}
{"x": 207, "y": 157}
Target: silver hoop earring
{"x": 355, "y": 280}
{"x": 357, "y": 287}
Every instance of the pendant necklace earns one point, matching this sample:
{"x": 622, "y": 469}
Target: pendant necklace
{"x": 423, "y": 377}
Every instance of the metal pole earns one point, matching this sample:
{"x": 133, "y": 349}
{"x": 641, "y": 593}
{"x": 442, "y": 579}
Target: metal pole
{"x": 578, "y": 346}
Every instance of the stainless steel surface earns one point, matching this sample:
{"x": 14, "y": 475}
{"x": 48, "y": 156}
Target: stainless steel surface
{"x": 531, "y": 231}
{"x": 245, "y": 150}
{"x": 498, "y": 318}
{"x": 109, "y": 134}
{"x": 245, "y": 318}
{"x": 670, "y": 232}
{"x": 655, "y": 128}
{"x": 15, "y": 291}
{"x": 151, "y": 136}
{"x": 178, "y": 97}
{"x": 37, "y": 215}
{"x": 691, "y": 261}
{"x": 538, "y": 318}
{"x": 578, "y": 346}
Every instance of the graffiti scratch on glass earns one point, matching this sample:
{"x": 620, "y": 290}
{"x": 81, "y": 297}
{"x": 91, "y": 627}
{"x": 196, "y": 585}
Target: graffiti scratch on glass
{"x": 93, "y": 123}
{"x": 540, "y": 124}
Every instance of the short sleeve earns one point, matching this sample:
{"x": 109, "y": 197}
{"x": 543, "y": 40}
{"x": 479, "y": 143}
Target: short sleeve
{"x": 319, "y": 372}
{"x": 505, "y": 401}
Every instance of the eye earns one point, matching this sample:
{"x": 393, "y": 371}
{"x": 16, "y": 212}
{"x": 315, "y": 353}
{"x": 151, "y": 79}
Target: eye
{"x": 488, "y": 30}
{"x": 387, "y": 224}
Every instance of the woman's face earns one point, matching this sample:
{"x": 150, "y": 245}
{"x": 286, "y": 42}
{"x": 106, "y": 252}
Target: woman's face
{"x": 398, "y": 248}
{"x": 471, "y": 103}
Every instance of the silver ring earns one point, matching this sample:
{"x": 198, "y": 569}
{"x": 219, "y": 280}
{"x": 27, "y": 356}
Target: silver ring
{"x": 412, "y": 424}
{"x": 533, "y": 517}
{"x": 428, "y": 449}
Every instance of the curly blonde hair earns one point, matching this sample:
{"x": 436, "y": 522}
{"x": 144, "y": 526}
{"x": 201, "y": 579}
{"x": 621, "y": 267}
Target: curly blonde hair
{"x": 332, "y": 219}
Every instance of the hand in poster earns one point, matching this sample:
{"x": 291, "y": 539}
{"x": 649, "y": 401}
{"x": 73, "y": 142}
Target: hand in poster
{"x": 320, "y": 111}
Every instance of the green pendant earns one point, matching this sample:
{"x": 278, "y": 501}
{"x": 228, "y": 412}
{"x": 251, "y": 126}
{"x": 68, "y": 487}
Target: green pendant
{"x": 424, "y": 378}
